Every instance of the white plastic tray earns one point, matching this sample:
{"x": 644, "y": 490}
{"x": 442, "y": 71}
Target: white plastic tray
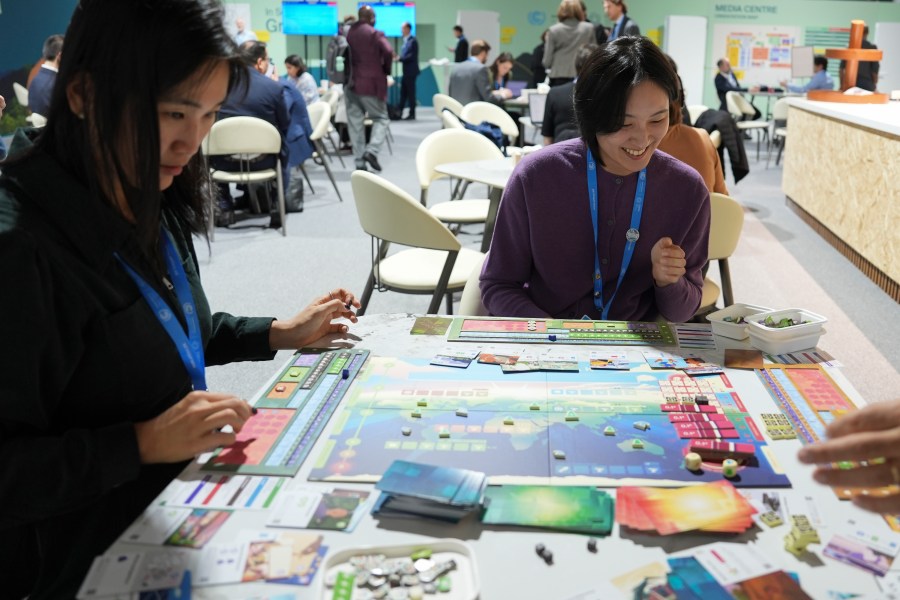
{"x": 735, "y": 331}
{"x": 802, "y": 342}
{"x": 786, "y": 333}
{"x": 464, "y": 578}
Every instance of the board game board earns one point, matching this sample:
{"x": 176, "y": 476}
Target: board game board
{"x": 291, "y": 414}
{"x": 541, "y": 428}
{"x": 573, "y": 331}
{"x": 811, "y": 400}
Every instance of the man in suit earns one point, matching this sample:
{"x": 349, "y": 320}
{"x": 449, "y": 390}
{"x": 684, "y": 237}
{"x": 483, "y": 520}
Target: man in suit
{"x": 264, "y": 99}
{"x": 726, "y": 81}
{"x": 461, "y": 50}
{"x": 470, "y": 81}
{"x": 409, "y": 59}
{"x": 623, "y": 25}
{"x": 371, "y": 57}
{"x": 559, "y": 111}
{"x": 40, "y": 90}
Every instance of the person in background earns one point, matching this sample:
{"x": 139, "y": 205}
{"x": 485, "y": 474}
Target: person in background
{"x": 299, "y": 147}
{"x": 691, "y": 145}
{"x": 500, "y": 70}
{"x": 98, "y": 211}
{"x": 242, "y": 34}
{"x": 867, "y": 70}
{"x": 867, "y": 436}
{"x": 617, "y": 12}
{"x": 371, "y": 57}
{"x": 409, "y": 59}
{"x": 604, "y": 226}
{"x": 563, "y": 39}
{"x": 726, "y": 81}
{"x": 261, "y": 98}
{"x": 301, "y": 78}
{"x": 461, "y": 49}
{"x": 821, "y": 79}
{"x": 470, "y": 81}
{"x": 41, "y": 88}
{"x": 538, "y": 73}
{"x": 559, "y": 110}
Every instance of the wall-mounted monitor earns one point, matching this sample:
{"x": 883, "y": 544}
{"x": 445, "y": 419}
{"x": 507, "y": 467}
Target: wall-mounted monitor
{"x": 389, "y": 16}
{"x": 309, "y": 18}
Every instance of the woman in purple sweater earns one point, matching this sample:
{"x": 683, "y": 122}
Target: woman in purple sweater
{"x": 605, "y": 226}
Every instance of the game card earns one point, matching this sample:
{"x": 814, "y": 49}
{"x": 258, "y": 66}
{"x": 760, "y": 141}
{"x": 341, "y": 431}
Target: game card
{"x": 198, "y": 528}
{"x": 496, "y": 356}
{"x": 736, "y": 358}
{"x": 697, "y": 365}
{"x": 772, "y": 585}
{"x": 282, "y": 556}
{"x": 522, "y": 364}
{"x": 658, "y": 359}
{"x": 131, "y": 572}
{"x": 610, "y": 360}
{"x": 733, "y": 563}
{"x": 858, "y": 554}
{"x": 339, "y": 510}
{"x": 454, "y": 357}
{"x": 558, "y": 361}
{"x": 155, "y": 525}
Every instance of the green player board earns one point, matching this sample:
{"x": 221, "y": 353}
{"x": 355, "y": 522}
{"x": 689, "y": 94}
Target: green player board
{"x": 572, "y": 331}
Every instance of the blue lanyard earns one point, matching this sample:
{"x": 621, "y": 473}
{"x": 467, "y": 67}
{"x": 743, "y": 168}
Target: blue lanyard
{"x": 631, "y": 236}
{"x": 190, "y": 346}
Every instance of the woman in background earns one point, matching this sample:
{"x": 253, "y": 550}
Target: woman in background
{"x": 104, "y": 393}
{"x": 301, "y": 78}
{"x": 563, "y": 40}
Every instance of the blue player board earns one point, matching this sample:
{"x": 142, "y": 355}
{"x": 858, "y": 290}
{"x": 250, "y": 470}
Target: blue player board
{"x": 292, "y": 412}
{"x": 540, "y": 428}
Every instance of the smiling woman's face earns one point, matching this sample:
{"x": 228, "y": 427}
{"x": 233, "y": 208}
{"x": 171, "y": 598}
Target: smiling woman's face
{"x": 629, "y": 149}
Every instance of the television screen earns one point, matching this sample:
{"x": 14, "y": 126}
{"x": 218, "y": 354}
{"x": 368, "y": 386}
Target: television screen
{"x": 389, "y": 16}
{"x": 309, "y": 18}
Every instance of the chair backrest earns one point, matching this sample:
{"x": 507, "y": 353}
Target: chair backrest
{"x": 780, "y": 110}
{"x": 38, "y": 120}
{"x": 242, "y": 135}
{"x": 476, "y": 112}
{"x": 319, "y": 117}
{"x": 731, "y": 102}
{"x": 332, "y": 97}
{"x": 21, "y": 93}
{"x": 726, "y": 223}
{"x": 536, "y": 104}
{"x": 695, "y": 110}
{"x": 441, "y": 101}
{"x": 716, "y": 137}
{"x": 743, "y": 105}
{"x": 470, "y": 301}
{"x": 388, "y": 213}
{"x": 448, "y": 146}
{"x": 450, "y": 121}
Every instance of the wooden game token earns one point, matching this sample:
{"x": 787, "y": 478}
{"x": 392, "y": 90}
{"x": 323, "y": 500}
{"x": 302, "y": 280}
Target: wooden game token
{"x": 637, "y": 445}
{"x": 462, "y": 412}
{"x": 559, "y": 454}
{"x": 507, "y": 420}
{"x": 406, "y": 431}
{"x": 416, "y": 414}
{"x": 771, "y": 518}
{"x": 535, "y": 407}
{"x": 422, "y": 402}
{"x": 571, "y": 416}
{"x": 592, "y": 545}
{"x": 609, "y": 430}
{"x": 642, "y": 425}
{"x": 444, "y": 433}
{"x": 692, "y": 461}
{"x": 729, "y": 467}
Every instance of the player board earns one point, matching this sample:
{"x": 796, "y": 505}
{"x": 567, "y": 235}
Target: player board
{"x": 542, "y": 331}
{"x": 291, "y": 414}
{"x": 811, "y": 399}
{"x": 543, "y": 428}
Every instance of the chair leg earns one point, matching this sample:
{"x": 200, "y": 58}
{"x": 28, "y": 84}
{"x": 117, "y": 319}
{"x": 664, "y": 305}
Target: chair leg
{"x": 279, "y": 180}
{"x": 306, "y": 177}
{"x": 449, "y": 303}
{"x": 441, "y": 287}
{"x": 367, "y": 294}
{"x": 336, "y": 151}
{"x": 780, "y": 148}
{"x": 725, "y": 274}
{"x": 462, "y": 192}
{"x": 328, "y": 171}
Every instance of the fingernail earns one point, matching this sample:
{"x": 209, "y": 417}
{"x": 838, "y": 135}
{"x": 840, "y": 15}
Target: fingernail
{"x": 254, "y": 410}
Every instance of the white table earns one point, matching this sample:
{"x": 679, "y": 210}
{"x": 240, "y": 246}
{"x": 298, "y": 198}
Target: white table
{"x": 507, "y": 562}
{"x": 493, "y": 173}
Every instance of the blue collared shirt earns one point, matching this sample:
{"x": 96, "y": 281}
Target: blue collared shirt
{"x": 822, "y": 80}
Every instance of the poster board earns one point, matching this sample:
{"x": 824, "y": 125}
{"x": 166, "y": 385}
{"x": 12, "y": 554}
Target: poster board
{"x": 234, "y": 11}
{"x": 479, "y": 25}
{"x": 684, "y": 41}
{"x": 887, "y": 38}
{"x": 801, "y": 61}
{"x": 759, "y": 54}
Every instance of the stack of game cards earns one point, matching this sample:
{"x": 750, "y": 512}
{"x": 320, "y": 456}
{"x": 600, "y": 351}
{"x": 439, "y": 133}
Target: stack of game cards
{"x": 716, "y": 507}
{"x": 415, "y": 489}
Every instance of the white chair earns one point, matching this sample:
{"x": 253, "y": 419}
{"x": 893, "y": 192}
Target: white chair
{"x": 21, "y": 94}
{"x": 778, "y": 129}
{"x": 246, "y": 138}
{"x": 333, "y": 98}
{"x": 448, "y": 146}
{"x": 695, "y": 110}
{"x": 476, "y": 112}
{"x": 470, "y": 302}
{"x": 435, "y": 262}
{"x": 450, "y": 121}
{"x": 740, "y": 109}
{"x": 320, "y": 117}
{"x": 716, "y": 137}
{"x": 726, "y": 223}
{"x": 442, "y": 101}
{"x": 537, "y": 102}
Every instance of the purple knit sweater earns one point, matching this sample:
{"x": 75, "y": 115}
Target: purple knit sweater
{"x": 541, "y": 258}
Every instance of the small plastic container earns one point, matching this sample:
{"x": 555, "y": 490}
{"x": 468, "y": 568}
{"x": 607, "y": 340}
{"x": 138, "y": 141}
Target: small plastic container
{"x": 776, "y": 346}
{"x": 735, "y": 331}
{"x": 811, "y": 323}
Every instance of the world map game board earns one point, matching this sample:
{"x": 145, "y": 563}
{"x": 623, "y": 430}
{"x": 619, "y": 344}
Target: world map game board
{"x": 572, "y": 428}
{"x": 292, "y": 412}
{"x": 541, "y": 331}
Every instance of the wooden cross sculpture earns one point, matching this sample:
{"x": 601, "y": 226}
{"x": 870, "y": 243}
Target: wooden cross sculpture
{"x": 853, "y": 54}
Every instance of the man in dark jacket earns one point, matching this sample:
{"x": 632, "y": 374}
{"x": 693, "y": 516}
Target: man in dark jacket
{"x": 41, "y": 87}
{"x": 370, "y": 58}
{"x": 409, "y": 58}
{"x": 461, "y": 50}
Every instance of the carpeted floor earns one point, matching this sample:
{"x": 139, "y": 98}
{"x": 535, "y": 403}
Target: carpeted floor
{"x": 780, "y": 262}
